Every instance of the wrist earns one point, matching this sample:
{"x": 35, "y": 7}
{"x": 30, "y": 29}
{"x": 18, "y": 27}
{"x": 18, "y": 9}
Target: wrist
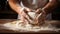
{"x": 20, "y": 10}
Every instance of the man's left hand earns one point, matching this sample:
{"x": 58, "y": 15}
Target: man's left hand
{"x": 41, "y": 16}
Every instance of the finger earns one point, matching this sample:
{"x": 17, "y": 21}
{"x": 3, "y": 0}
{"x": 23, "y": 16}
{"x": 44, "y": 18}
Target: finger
{"x": 39, "y": 15}
{"x": 27, "y": 17}
{"x": 38, "y": 11}
{"x": 22, "y": 18}
{"x": 27, "y": 20}
{"x": 27, "y": 9}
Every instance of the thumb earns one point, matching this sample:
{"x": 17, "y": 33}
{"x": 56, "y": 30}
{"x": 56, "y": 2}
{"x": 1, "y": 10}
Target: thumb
{"x": 38, "y": 11}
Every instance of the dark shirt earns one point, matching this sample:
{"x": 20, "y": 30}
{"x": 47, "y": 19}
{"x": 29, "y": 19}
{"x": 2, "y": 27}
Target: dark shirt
{"x": 56, "y": 12}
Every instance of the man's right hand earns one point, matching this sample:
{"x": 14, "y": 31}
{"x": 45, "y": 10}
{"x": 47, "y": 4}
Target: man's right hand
{"x": 24, "y": 15}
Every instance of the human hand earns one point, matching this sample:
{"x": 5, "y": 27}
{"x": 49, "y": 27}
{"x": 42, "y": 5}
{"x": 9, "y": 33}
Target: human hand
{"x": 24, "y": 15}
{"x": 38, "y": 11}
{"x": 41, "y": 16}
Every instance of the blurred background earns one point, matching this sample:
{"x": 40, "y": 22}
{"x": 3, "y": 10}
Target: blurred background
{"x": 7, "y": 13}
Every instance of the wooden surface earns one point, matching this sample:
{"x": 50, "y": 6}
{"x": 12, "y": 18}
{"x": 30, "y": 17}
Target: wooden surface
{"x": 2, "y": 21}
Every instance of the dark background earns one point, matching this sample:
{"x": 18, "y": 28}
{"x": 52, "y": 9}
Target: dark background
{"x": 7, "y": 13}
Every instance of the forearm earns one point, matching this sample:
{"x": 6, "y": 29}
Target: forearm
{"x": 13, "y": 4}
{"x": 51, "y": 5}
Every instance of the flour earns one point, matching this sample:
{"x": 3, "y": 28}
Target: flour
{"x": 15, "y": 26}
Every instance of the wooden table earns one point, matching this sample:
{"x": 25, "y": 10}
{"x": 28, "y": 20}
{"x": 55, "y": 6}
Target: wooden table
{"x": 2, "y": 21}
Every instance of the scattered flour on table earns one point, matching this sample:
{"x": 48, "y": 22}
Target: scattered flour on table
{"x": 13, "y": 26}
